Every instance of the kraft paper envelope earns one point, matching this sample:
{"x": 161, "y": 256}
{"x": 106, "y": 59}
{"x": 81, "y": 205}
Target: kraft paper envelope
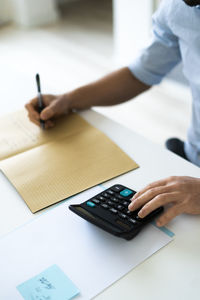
{"x": 48, "y": 166}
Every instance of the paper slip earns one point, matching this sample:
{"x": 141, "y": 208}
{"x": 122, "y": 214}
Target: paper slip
{"x": 51, "y": 284}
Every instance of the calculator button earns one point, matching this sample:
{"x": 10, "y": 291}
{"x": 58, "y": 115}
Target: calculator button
{"x": 106, "y": 195}
{"x": 113, "y": 210}
{"x": 138, "y": 218}
{"x": 96, "y": 201}
{"x": 111, "y": 203}
{"x": 120, "y": 197}
{"x": 120, "y": 207}
{"x": 125, "y": 203}
{"x": 110, "y": 192}
{"x": 129, "y": 213}
{"x": 90, "y": 204}
{"x": 114, "y": 199}
{"x": 132, "y": 221}
{"x": 101, "y": 198}
{"x": 117, "y": 188}
{"x": 123, "y": 216}
{"x": 105, "y": 206}
{"x": 126, "y": 193}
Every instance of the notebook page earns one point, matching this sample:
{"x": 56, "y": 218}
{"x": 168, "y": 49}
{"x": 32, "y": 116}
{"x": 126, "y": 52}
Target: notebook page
{"x": 57, "y": 170}
{"x": 18, "y": 134}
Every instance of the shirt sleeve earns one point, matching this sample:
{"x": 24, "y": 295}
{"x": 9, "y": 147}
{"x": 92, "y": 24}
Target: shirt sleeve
{"x": 163, "y": 53}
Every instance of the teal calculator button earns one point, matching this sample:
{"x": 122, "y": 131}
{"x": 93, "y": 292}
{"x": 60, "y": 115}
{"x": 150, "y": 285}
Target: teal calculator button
{"x": 126, "y": 193}
{"x": 91, "y": 204}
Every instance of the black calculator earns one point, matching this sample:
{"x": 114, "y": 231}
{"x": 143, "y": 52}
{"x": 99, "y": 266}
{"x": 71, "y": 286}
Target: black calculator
{"x": 109, "y": 211}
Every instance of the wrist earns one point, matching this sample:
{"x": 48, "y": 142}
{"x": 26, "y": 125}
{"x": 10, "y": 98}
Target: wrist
{"x": 65, "y": 101}
{"x": 78, "y": 99}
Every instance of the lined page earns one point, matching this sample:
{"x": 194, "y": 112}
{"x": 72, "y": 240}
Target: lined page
{"x": 18, "y": 134}
{"x": 66, "y": 166}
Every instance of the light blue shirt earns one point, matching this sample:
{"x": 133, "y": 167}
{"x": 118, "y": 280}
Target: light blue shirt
{"x": 176, "y": 38}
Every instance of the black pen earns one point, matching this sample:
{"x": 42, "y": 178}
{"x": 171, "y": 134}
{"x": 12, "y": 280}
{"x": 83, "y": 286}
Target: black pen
{"x": 40, "y": 102}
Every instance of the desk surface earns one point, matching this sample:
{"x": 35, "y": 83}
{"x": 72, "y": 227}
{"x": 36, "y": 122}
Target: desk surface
{"x": 171, "y": 273}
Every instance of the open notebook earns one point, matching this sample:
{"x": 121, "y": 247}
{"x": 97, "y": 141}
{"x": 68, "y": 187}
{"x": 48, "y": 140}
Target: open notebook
{"x": 48, "y": 166}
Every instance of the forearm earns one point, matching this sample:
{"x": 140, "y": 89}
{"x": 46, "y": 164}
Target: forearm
{"x": 115, "y": 88}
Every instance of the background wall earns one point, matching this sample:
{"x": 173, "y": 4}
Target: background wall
{"x": 6, "y": 10}
{"x": 132, "y": 31}
{"x": 132, "y": 27}
{"x": 21, "y": 11}
{"x": 132, "y": 23}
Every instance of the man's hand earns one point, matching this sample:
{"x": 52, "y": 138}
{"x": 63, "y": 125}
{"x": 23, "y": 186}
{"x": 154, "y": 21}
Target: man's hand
{"x": 114, "y": 88}
{"x": 55, "y": 106}
{"x": 179, "y": 194}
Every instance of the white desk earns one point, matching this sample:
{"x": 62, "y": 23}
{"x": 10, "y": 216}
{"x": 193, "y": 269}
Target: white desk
{"x": 174, "y": 272}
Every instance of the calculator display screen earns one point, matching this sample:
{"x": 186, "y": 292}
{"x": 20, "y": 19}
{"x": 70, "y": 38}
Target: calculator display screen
{"x": 126, "y": 226}
{"x": 85, "y": 212}
{"x": 95, "y": 219}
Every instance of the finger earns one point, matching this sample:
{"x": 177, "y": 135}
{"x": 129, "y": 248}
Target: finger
{"x": 152, "y": 185}
{"x": 36, "y": 122}
{"x": 49, "y": 124}
{"x": 32, "y": 109}
{"x": 158, "y": 201}
{"x": 54, "y": 110}
{"x": 170, "y": 214}
{"x": 33, "y": 102}
{"x": 148, "y": 195}
{"x": 47, "y": 113}
{"x": 50, "y": 111}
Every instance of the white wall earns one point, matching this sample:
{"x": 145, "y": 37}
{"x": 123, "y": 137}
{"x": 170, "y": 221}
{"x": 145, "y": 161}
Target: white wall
{"x": 6, "y": 10}
{"x": 65, "y": 1}
{"x": 34, "y": 12}
{"x": 29, "y": 12}
{"x": 132, "y": 27}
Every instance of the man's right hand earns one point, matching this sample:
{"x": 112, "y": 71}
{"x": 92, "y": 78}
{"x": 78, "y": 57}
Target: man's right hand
{"x": 114, "y": 88}
{"x": 55, "y": 106}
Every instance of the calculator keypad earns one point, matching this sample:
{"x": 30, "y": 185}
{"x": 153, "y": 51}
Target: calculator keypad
{"x": 117, "y": 204}
{"x": 109, "y": 210}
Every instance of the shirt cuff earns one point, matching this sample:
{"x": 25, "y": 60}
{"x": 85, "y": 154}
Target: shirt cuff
{"x": 144, "y": 75}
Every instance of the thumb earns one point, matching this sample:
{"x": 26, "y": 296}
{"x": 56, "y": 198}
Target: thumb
{"x": 49, "y": 112}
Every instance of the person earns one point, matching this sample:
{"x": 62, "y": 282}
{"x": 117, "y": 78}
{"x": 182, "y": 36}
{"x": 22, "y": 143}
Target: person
{"x": 176, "y": 37}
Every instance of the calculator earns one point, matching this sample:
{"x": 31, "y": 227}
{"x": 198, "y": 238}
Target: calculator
{"x": 109, "y": 211}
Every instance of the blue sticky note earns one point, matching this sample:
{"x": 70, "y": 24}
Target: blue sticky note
{"x": 51, "y": 284}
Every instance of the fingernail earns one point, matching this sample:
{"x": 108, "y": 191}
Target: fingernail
{"x": 141, "y": 213}
{"x": 130, "y": 206}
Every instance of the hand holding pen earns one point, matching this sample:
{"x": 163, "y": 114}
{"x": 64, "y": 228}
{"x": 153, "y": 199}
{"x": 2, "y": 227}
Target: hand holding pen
{"x": 49, "y": 109}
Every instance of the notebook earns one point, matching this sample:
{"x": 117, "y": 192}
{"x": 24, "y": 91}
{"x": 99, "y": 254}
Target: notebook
{"x": 47, "y": 166}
